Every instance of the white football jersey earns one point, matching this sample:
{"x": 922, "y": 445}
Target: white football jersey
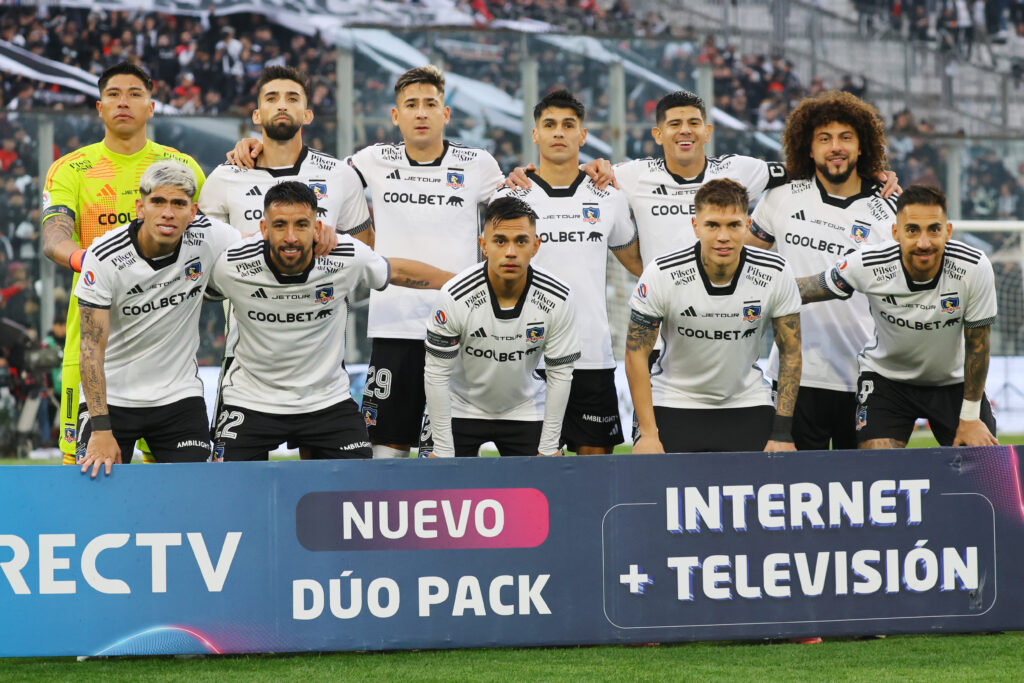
{"x": 154, "y": 310}
{"x": 235, "y": 195}
{"x": 577, "y": 225}
{"x": 428, "y": 212}
{"x": 919, "y": 326}
{"x": 713, "y": 334}
{"x": 291, "y": 327}
{"x": 495, "y": 351}
{"x": 811, "y": 229}
{"x": 662, "y": 201}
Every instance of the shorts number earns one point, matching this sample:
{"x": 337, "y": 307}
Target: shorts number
{"x": 228, "y": 420}
{"x": 378, "y": 383}
{"x": 866, "y": 387}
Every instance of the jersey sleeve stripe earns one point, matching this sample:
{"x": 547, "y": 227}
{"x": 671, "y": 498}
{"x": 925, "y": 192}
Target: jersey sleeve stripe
{"x": 541, "y": 286}
{"x": 551, "y": 282}
{"x": 979, "y": 323}
{"x": 104, "y": 251}
{"x": 564, "y": 360}
{"x": 243, "y": 253}
{"x": 447, "y": 355}
{"x": 774, "y": 265}
{"x": 368, "y": 223}
{"x": 684, "y": 255}
{"x": 467, "y": 285}
{"x": 627, "y": 244}
{"x": 89, "y": 304}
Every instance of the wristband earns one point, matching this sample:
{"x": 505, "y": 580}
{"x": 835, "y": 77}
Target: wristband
{"x": 75, "y": 260}
{"x": 100, "y": 423}
{"x": 782, "y": 428}
{"x": 970, "y": 410}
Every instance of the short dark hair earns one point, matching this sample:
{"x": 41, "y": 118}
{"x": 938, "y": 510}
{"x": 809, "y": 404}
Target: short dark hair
{"x": 680, "y": 98}
{"x": 287, "y": 73}
{"x": 289, "y": 192}
{"x": 508, "y": 209}
{"x": 721, "y": 192}
{"x": 428, "y": 74}
{"x": 559, "y": 99}
{"x": 127, "y": 69}
{"x": 922, "y": 195}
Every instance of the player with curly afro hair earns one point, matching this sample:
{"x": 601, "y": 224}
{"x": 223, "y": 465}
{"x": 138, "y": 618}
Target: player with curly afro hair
{"x": 834, "y": 106}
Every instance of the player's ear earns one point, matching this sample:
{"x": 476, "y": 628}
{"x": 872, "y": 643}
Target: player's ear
{"x": 483, "y": 246}
{"x": 152, "y": 109}
{"x": 394, "y": 116}
{"x": 656, "y": 134}
{"x": 693, "y": 221}
{"x": 709, "y": 129}
{"x": 949, "y": 230}
{"x": 535, "y": 137}
{"x": 263, "y": 228}
{"x": 138, "y": 208}
{"x": 447, "y": 115}
{"x": 895, "y": 234}
{"x": 256, "y": 117}
{"x": 195, "y": 209}
{"x": 307, "y": 117}
{"x": 536, "y": 246}
{"x": 583, "y": 138}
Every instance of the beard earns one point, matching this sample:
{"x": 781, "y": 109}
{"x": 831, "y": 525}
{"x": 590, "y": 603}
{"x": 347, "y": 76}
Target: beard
{"x": 836, "y": 178}
{"x": 281, "y": 130}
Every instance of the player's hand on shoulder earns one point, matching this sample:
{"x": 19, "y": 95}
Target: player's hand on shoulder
{"x": 102, "y": 451}
{"x": 326, "y": 240}
{"x": 973, "y": 433}
{"x": 601, "y": 172}
{"x": 779, "y": 446}
{"x": 890, "y": 183}
{"x": 245, "y": 153}
{"x": 648, "y": 444}
{"x": 517, "y": 179}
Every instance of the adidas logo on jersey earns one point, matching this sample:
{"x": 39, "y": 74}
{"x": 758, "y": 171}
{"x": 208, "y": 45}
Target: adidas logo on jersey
{"x": 137, "y": 289}
{"x": 254, "y": 192}
{"x": 660, "y": 189}
{"x": 259, "y": 294}
{"x": 479, "y": 333}
{"x": 799, "y": 215}
{"x": 107, "y": 191}
{"x": 891, "y": 300}
{"x": 689, "y": 312}
{"x": 394, "y": 175}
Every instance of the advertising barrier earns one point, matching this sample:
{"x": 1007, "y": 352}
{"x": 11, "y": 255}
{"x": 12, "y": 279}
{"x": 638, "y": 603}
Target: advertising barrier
{"x": 372, "y": 555}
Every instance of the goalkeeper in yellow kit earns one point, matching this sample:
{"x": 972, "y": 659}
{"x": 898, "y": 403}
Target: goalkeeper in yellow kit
{"x": 92, "y": 190}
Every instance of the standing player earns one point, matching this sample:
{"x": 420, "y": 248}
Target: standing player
{"x": 577, "y": 223}
{"x": 831, "y": 207}
{"x": 288, "y": 382}
{"x": 93, "y": 190}
{"x": 140, "y": 296}
{"x": 929, "y": 294}
{"x": 485, "y": 339}
{"x": 712, "y": 303}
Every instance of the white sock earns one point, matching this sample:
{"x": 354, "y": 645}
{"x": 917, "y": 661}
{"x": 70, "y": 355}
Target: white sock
{"x": 382, "y": 451}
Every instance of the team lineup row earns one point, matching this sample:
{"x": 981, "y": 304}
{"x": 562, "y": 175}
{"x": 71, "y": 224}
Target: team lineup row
{"x": 708, "y": 288}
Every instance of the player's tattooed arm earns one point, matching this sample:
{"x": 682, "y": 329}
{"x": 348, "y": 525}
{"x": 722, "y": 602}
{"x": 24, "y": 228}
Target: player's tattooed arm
{"x": 813, "y": 289}
{"x": 417, "y": 275}
{"x": 95, "y": 330}
{"x": 976, "y": 355}
{"x": 787, "y": 338}
{"x": 640, "y": 338}
{"x": 59, "y": 239}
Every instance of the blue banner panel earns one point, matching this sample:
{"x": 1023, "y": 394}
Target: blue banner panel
{"x": 370, "y": 555}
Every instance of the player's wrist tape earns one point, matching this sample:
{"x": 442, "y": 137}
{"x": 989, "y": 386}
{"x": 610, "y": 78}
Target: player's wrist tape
{"x": 100, "y": 423}
{"x": 75, "y": 260}
{"x": 782, "y": 428}
{"x": 970, "y": 410}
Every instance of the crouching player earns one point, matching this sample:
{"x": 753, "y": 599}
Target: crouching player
{"x": 493, "y": 323}
{"x": 139, "y": 297}
{"x": 287, "y": 382}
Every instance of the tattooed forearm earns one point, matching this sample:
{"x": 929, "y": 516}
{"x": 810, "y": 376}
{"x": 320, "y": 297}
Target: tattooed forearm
{"x": 95, "y": 327}
{"x": 787, "y": 337}
{"x": 812, "y": 289}
{"x": 976, "y": 356}
{"x": 59, "y": 239}
{"x": 642, "y": 333}
{"x": 409, "y": 282}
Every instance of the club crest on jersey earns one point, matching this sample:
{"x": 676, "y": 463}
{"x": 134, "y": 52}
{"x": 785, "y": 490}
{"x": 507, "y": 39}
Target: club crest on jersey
{"x": 320, "y": 190}
{"x": 949, "y": 304}
{"x": 860, "y": 233}
{"x": 591, "y": 214}
{"x": 642, "y": 290}
{"x": 534, "y": 334}
{"x": 370, "y": 414}
{"x": 751, "y": 312}
{"x": 862, "y": 417}
{"x": 194, "y": 270}
{"x": 440, "y": 317}
{"x": 89, "y": 277}
{"x": 323, "y": 294}
{"x": 69, "y": 434}
{"x": 456, "y": 179}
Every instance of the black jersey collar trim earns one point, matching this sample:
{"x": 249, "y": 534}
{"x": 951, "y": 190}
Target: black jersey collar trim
{"x": 435, "y": 162}
{"x": 155, "y": 264}
{"x": 557, "y": 191}
{"x": 515, "y": 312}
{"x": 710, "y": 288}
{"x": 284, "y": 278}
{"x": 924, "y": 286}
{"x": 294, "y": 170}
{"x": 699, "y": 178}
{"x": 867, "y": 188}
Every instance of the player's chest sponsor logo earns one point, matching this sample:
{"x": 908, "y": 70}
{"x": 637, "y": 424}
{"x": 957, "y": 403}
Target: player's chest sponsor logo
{"x": 475, "y": 300}
{"x": 249, "y": 268}
{"x": 757, "y": 276}
{"x": 817, "y": 244}
{"x": 681, "y": 208}
{"x": 542, "y": 301}
{"x": 420, "y": 198}
{"x": 711, "y": 334}
{"x": 408, "y": 176}
{"x": 886, "y": 271}
{"x": 194, "y": 270}
{"x": 172, "y": 299}
{"x": 122, "y": 261}
{"x": 683, "y": 276}
{"x": 879, "y": 210}
{"x": 455, "y": 178}
{"x": 577, "y": 236}
{"x": 751, "y": 311}
{"x": 952, "y": 270}
{"x": 321, "y": 163}
{"x": 289, "y": 318}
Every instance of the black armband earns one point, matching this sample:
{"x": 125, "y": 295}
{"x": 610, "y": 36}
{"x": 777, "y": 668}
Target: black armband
{"x": 645, "y": 321}
{"x": 760, "y": 233}
{"x": 782, "y": 428}
{"x": 100, "y": 423}
{"x": 56, "y": 210}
